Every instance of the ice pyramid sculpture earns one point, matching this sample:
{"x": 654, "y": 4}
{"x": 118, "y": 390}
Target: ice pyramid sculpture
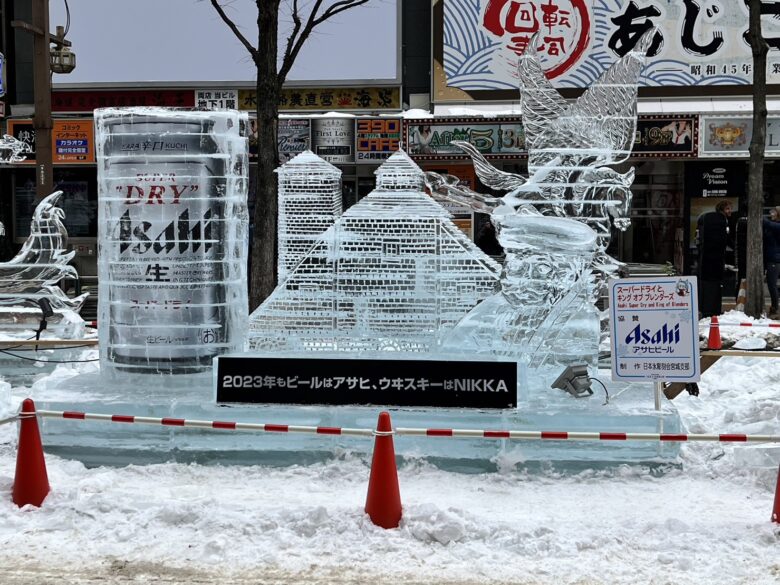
{"x": 309, "y": 203}
{"x": 393, "y": 273}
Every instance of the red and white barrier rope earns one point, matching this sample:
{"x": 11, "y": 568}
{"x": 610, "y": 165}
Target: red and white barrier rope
{"x": 727, "y": 324}
{"x": 401, "y": 431}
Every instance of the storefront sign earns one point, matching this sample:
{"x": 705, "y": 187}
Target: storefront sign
{"x": 86, "y": 101}
{"x": 655, "y": 329}
{"x": 695, "y": 44}
{"x": 25, "y": 131}
{"x": 730, "y": 136}
{"x": 431, "y": 139}
{"x": 216, "y": 99}
{"x": 72, "y": 141}
{"x": 450, "y": 384}
{"x": 294, "y": 136}
{"x": 376, "y": 139}
{"x": 329, "y": 99}
{"x": 665, "y": 136}
{"x": 333, "y": 139}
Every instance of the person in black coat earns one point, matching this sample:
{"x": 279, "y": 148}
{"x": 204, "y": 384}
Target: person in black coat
{"x": 713, "y": 237}
{"x": 771, "y": 232}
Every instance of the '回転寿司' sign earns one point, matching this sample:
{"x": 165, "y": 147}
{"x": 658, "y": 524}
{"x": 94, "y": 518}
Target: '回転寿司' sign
{"x": 655, "y": 329}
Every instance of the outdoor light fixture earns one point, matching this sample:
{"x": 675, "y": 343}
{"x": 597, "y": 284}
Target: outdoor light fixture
{"x": 61, "y": 58}
{"x": 575, "y": 381}
{"x": 46, "y": 313}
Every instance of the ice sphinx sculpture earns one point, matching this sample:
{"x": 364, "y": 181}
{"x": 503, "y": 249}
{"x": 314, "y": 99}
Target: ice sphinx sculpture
{"x": 41, "y": 264}
{"x": 173, "y": 237}
{"x": 553, "y": 273}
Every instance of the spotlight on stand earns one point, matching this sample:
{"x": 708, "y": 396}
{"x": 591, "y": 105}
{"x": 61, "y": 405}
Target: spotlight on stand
{"x": 575, "y": 381}
{"x": 47, "y": 312}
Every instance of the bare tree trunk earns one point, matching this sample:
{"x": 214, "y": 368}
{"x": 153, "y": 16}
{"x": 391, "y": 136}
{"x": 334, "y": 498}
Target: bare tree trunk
{"x": 269, "y": 85}
{"x": 755, "y": 265}
{"x": 264, "y": 244}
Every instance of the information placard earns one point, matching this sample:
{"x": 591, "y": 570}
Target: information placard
{"x": 455, "y": 384}
{"x": 655, "y": 330}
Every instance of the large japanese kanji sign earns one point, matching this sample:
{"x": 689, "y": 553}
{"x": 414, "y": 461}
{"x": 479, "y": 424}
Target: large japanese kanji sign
{"x": 697, "y": 42}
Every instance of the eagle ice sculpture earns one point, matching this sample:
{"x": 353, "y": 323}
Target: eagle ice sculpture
{"x": 555, "y": 225}
{"x": 41, "y": 263}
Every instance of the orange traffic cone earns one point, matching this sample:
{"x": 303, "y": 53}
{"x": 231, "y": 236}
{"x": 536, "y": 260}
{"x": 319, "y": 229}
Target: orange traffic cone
{"x": 383, "y": 502}
{"x": 714, "y": 340}
{"x": 31, "y": 483}
{"x": 776, "y": 509}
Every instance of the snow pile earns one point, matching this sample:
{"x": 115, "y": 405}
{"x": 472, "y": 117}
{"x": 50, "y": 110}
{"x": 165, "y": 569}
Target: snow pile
{"x": 705, "y": 521}
{"x": 731, "y": 333}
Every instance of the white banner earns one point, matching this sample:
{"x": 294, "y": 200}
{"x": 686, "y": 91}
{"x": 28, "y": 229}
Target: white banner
{"x": 697, "y": 42}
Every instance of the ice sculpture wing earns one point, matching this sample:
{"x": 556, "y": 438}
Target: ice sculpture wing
{"x": 487, "y": 173}
{"x": 448, "y": 188}
{"x": 602, "y": 121}
{"x": 541, "y": 103}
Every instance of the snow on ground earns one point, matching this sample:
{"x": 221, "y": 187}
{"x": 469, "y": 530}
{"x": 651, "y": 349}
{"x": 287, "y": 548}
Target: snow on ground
{"x": 706, "y": 521}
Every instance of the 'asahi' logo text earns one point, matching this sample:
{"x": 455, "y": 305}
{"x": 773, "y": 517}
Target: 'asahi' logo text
{"x": 663, "y": 336}
{"x": 181, "y": 234}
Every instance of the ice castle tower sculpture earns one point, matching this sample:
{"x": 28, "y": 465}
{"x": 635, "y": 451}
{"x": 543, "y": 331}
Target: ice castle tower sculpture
{"x": 393, "y": 273}
{"x": 309, "y": 204}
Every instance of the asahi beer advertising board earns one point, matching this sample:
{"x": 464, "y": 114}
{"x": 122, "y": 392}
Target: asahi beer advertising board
{"x": 696, "y": 43}
{"x": 431, "y": 139}
{"x": 172, "y": 223}
{"x": 655, "y": 329}
{"x": 333, "y": 139}
{"x": 376, "y": 139}
{"x": 730, "y": 136}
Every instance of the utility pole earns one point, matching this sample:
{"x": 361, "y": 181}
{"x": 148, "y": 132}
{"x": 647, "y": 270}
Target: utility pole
{"x": 44, "y": 173}
{"x": 42, "y": 68}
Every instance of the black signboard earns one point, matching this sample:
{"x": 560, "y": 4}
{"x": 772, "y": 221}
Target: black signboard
{"x": 452, "y": 384}
{"x": 24, "y": 131}
{"x": 665, "y": 136}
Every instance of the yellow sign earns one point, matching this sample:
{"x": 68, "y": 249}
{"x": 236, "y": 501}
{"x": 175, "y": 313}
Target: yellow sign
{"x": 297, "y": 99}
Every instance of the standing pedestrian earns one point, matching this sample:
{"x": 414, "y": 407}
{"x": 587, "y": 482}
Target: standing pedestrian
{"x": 713, "y": 238}
{"x": 771, "y": 231}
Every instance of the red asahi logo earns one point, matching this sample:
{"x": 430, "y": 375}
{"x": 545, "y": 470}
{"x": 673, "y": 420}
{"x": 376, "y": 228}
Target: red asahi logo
{"x": 563, "y": 26}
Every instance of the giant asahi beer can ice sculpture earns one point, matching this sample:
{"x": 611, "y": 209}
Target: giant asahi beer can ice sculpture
{"x": 172, "y": 237}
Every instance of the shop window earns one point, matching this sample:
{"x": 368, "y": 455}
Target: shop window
{"x": 79, "y": 201}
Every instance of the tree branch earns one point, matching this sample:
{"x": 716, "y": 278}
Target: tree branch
{"x": 232, "y": 26}
{"x": 337, "y": 7}
{"x": 299, "y": 35}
